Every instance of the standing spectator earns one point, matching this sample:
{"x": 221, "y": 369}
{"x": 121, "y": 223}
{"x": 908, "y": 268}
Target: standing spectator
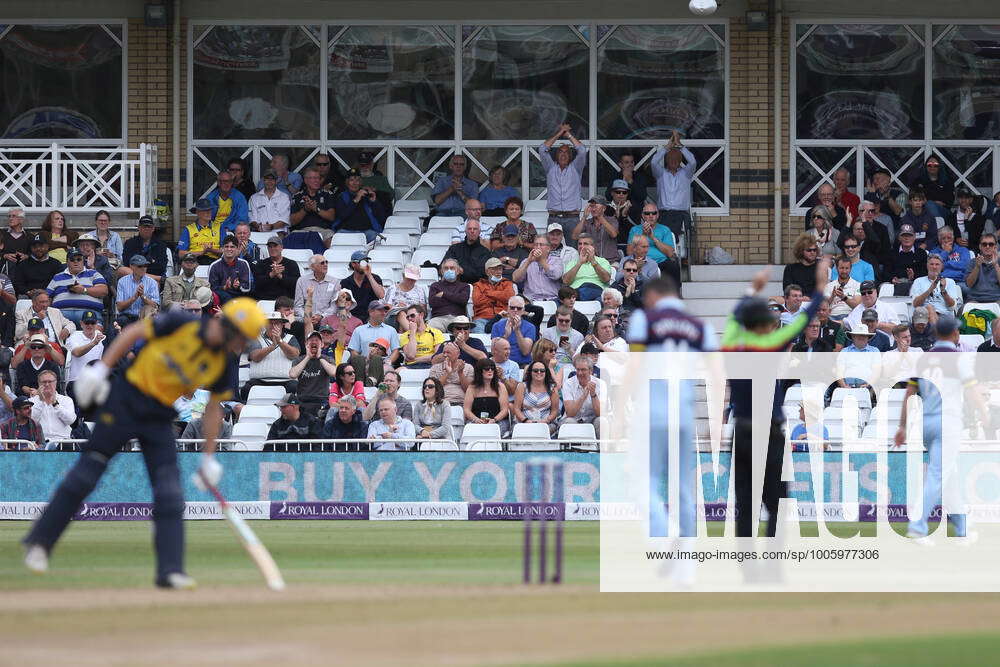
{"x": 366, "y": 360}
{"x": 582, "y": 394}
{"x": 293, "y": 424}
{"x": 392, "y": 429}
{"x": 271, "y": 355}
{"x": 473, "y": 211}
{"x": 448, "y": 297}
{"x": 373, "y": 178}
{"x": 324, "y": 289}
{"x": 601, "y": 227}
{"x": 510, "y": 252}
{"x": 562, "y": 178}
{"x": 470, "y": 254}
{"x": 54, "y": 412}
{"x": 490, "y": 295}
{"x": 389, "y": 389}
{"x": 364, "y": 285}
{"x": 180, "y": 288}
{"x": 486, "y": 399}
{"x": 433, "y": 413}
{"x": 275, "y": 275}
{"x": 620, "y": 206}
{"x": 449, "y": 371}
{"x": 659, "y": 241}
{"x": 313, "y": 373}
{"x": 312, "y": 207}
{"x": 29, "y": 369}
{"x": 237, "y": 168}
{"x": 77, "y": 289}
{"x": 270, "y": 209}
{"x": 138, "y": 294}
{"x": 673, "y": 183}
{"x": 937, "y": 186}
{"x": 844, "y": 292}
{"x": 229, "y": 276}
{"x": 497, "y": 192}
{"x": 85, "y": 347}
{"x": 109, "y": 241}
{"x": 287, "y": 181}
{"x": 557, "y": 243}
{"x": 451, "y": 190}
{"x": 201, "y": 238}
{"x": 636, "y": 182}
{"x": 803, "y": 271}
{"x": 525, "y": 232}
{"x": 957, "y": 259}
{"x": 22, "y": 427}
{"x": 822, "y": 230}
{"x": 981, "y": 279}
{"x": 345, "y": 383}
{"x": 536, "y": 400}
{"x": 15, "y": 239}
{"x": 419, "y": 341}
{"x": 539, "y": 275}
{"x": 843, "y": 197}
{"x": 404, "y": 294}
{"x": 941, "y": 293}
{"x": 519, "y": 333}
{"x": 358, "y": 208}
{"x": 563, "y": 335}
{"x": 907, "y": 262}
{"x": 54, "y": 324}
{"x": 229, "y": 206}
{"x": 344, "y": 422}
{"x": 590, "y": 274}
{"x": 37, "y": 270}
{"x": 146, "y": 244}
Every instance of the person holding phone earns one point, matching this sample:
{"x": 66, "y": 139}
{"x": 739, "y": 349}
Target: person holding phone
{"x": 565, "y": 337}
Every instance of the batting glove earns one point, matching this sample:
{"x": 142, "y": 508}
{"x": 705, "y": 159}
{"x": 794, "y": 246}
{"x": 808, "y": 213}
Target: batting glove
{"x": 92, "y": 385}
{"x": 210, "y": 471}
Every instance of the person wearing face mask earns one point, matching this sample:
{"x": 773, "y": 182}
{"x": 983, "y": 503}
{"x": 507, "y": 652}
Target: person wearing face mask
{"x": 490, "y": 295}
{"x": 449, "y": 296}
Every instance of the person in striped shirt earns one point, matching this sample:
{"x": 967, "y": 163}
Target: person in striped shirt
{"x": 77, "y": 289}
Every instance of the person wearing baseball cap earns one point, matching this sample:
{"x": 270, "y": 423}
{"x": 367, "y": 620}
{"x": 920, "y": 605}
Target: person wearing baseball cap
{"x": 201, "y": 237}
{"x": 906, "y": 261}
{"x": 890, "y": 199}
{"x": 294, "y": 423}
{"x": 21, "y": 426}
{"x": 369, "y": 365}
{"x": 38, "y": 270}
{"x": 78, "y": 288}
{"x": 601, "y": 226}
{"x": 137, "y": 292}
{"x": 275, "y": 276}
{"x": 638, "y": 184}
{"x": 36, "y": 326}
{"x": 374, "y": 179}
{"x": 146, "y": 243}
{"x": 269, "y": 208}
{"x": 359, "y": 209}
{"x": 568, "y": 255}
{"x": 489, "y": 296}
{"x": 620, "y": 204}
{"x": 510, "y": 251}
{"x": 363, "y": 283}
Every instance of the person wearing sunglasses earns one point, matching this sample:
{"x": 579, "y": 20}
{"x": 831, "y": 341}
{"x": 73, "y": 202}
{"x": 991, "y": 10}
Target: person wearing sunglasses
{"x": 324, "y": 290}
{"x": 418, "y": 342}
{"x": 630, "y": 284}
{"x": 982, "y": 279}
{"x": 29, "y": 369}
{"x": 237, "y": 168}
{"x": 536, "y": 399}
{"x": 432, "y": 414}
{"x": 860, "y": 269}
{"x": 826, "y": 204}
{"x": 486, "y": 400}
{"x": 887, "y": 315}
{"x": 346, "y": 383}
{"x": 802, "y": 271}
{"x": 516, "y": 330}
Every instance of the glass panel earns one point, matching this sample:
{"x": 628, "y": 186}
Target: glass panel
{"x": 423, "y": 159}
{"x": 713, "y": 178}
{"x": 392, "y": 82}
{"x": 607, "y": 172}
{"x": 807, "y": 178}
{"x": 654, "y": 79}
{"x": 492, "y": 156}
{"x": 894, "y": 159}
{"x": 256, "y": 82}
{"x": 860, "y": 82}
{"x": 967, "y": 83}
{"x": 523, "y": 81}
{"x": 981, "y": 177}
{"x": 60, "y": 82}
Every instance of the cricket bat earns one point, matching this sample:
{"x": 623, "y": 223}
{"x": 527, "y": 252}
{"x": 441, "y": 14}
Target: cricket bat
{"x": 258, "y": 552}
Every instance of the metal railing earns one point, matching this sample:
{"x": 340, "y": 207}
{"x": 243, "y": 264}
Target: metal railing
{"x": 78, "y": 178}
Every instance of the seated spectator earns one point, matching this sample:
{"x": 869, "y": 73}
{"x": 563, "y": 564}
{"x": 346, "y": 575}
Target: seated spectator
{"x": 473, "y": 211}
{"x": 497, "y": 193}
{"x": 77, "y": 289}
{"x": 363, "y": 284}
{"x": 510, "y": 252}
{"x": 451, "y": 190}
{"x": 391, "y": 429}
{"x": 871, "y": 250}
{"x": 275, "y": 275}
{"x": 189, "y": 406}
{"x": 371, "y": 177}
{"x": 626, "y": 211}
{"x": 389, "y": 388}
{"x": 293, "y": 325}
{"x": 110, "y": 241}
{"x": 490, "y": 295}
{"x": 449, "y": 296}
{"x": 536, "y": 400}
{"x": 638, "y": 252}
{"x": 313, "y": 373}
{"x": 180, "y": 288}
{"x": 331, "y": 176}
{"x": 201, "y": 238}
{"x": 870, "y": 320}
{"x": 240, "y": 172}
{"x": 565, "y": 338}
{"x": 269, "y": 208}
{"x": 887, "y": 315}
{"x": 519, "y": 333}
{"x": 508, "y": 370}
{"x": 53, "y": 351}
{"x": 229, "y": 276}
{"x": 325, "y": 289}
{"x": 539, "y": 275}
{"x": 403, "y": 294}
{"x": 660, "y": 242}
{"x": 358, "y": 208}
{"x": 956, "y": 258}
{"x": 590, "y": 274}
{"x": 54, "y": 412}
{"x": 567, "y": 297}
{"x": 968, "y": 221}
{"x": 794, "y": 296}
{"x": 345, "y": 383}
{"x": 344, "y": 422}
{"x": 229, "y": 206}
{"x": 147, "y": 245}
{"x": 470, "y": 254}
{"x": 418, "y": 342}
{"x": 22, "y": 427}
{"x": 802, "y": 272}
{"x": 983, "y": 284}
{"x": 826, "y": 201}
{"x": 85, "y": 347}
{"x": 921, "y": 333}
{"x": 937, "y": 185}
{"x": 340, "y": 325}
{"x": 470, "y": 349}
{"x": 844, "y": 292}
{"x": 247, "y": 249}
{"x": 524, "y": 232}
{"x": 630, "y": 285}
{"x": 810, "y": 341}
{"x": 582, "y": 394}
{"x": 828, "y": 328}
{"x": 138, "y": 294}
{"x": 601, "y": 227}
{"x": 611, "y": 298}
{"x": 287, "y": 181}
{"x": 486, "y": 398}
{"x": 38, "y": 270}
{"x": 859, "y": 364}
{"x": 55, "y": 325}
{"x": 991, "y": 345}
{"x": 433, "y": 413}
{"x": 293, "y": 424}
{"x": 14, "y": 239}
{"x": 271, "y": 356}
{"x": 557, "y": 243}
{"x": 611, "y": 347}
{"x": 58, "y": 236}
{"x": 803, "y": 438}
{"x": 29, "y": 369}
{"x": 449, "y": 371}
{"x": 823, "y": 233}
{"x": 370, "y": 344}
{"x": 942, "y": 294}
{"x": 8, "y": 303}
{"x": 635, "y": 182}
{"x": 88, "y": 245}
{"x": 901, "y": 360}
{"x": 842, "y": 196}
{"x": 860, "y": 269}
{"x": 544, "y": 350}
{"x": 906, "y": 262}
{"x": 312, "y": 207}
{"x": 921, "y": 219}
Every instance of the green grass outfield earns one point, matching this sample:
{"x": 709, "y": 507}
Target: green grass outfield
{"x": 435, "y": 592}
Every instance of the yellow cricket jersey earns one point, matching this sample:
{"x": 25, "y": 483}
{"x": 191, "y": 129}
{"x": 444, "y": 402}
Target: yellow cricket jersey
{"x": 427, "y": 342}
{"x": 225, "y": 208}
{"x": 175, "y": 360}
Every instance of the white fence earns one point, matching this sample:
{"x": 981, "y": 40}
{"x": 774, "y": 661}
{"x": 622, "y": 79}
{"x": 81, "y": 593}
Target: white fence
{"x": 78, "y": 178}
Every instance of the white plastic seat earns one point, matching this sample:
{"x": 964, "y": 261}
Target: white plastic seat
{"x": 975, "y": 340}
{"x": 412, "y": 205}
{"x": 399, "y": 237}
{"x": 530, "y": 432}
{"x": 484, "y": 338}
{"x": 861, "y": 395}
{"x": 260, "y": 238}
{"x": 298, "y": 255}
{"x": 981, "y": 306}
{"x": 339, "y": 255}
{"x": 548, "y": 308}
{"x": 260, "y": 413}
{"x": 370, "y": 393}
{"x": 427, "y": 272}
{"x": 267, "y": 307}
{"x": 435, "y": 237}
{"x": 488, "y": 434}
{"x": 793, "y": 395}
{"x": 536, "y": 205}
{"x": 432, "y": 254}
{"x": 353, "y": 240}
{"x": 409, "y": 223}
{"x": 387, "y": 255}
{"x": 577, "y": 432}
{"x": 437, "y": 447}
{"x": 492, "y": 220}
{"x": 413, "y": 376}
{"x": 448, "y": 222}
{"x": 588, "y": 308}
{"x": 457, "y": 415}
{"x": 264, "y": 395}
{"x": 411, "y": 392}
{"x": 201, "y": 271}
{"x": 253, "y": 434}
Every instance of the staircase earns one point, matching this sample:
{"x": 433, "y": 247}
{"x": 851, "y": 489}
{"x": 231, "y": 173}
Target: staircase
{"x": 714, "y": 290}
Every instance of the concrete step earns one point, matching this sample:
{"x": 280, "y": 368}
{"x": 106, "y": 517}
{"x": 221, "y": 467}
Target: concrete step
{"x": 710, "y": 307}
{"x": 727, "y": 272}
{"x": 717, "y": 322}
{"x": 724, "y": 290}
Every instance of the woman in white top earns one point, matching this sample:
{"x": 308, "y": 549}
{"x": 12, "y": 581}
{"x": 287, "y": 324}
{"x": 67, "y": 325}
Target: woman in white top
{"x": 404, "y": 294}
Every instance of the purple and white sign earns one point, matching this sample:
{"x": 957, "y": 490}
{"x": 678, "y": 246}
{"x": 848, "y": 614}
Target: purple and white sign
{"x": 319, "y": 510}
{"x": 418, "y": 511}
{"x": 516, "y": 511}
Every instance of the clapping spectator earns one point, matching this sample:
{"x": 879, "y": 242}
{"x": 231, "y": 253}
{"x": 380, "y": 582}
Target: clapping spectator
{"x": 54, "y": 412}
{"x": 620, "y": 205}
{"x": 486, "y": 398}
{"x": 630, "y": 285}
{"x": 138, "y": 294}
{"x": 597, "y": 223}
{"x": 674, "y": 167}
{"x": 982, "y": 277}
{"x": 519, "y": 333}
{"x": 433, "y": 412}
{"x": 907, "y": 262}
{"x": 392, "y": 429}
{"x": 562, "y": 177}
{"x": 941, "y": 293}
{"x": 582, "y": 394}
{"x": 590, "y": 274}
{"x": 539, "y": 275}
{"x": 230, "y": 276}
{"x": 635, "y": 183}
{"x": 271, "y": 356}
{"x": 536, "y": 400}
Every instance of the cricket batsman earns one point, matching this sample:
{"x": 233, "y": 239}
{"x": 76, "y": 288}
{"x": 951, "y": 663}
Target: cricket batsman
{"x": 179, "y": 355}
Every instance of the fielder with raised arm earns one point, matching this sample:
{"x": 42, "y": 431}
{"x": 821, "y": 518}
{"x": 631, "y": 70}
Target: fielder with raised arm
{"x": 180, "y": 354}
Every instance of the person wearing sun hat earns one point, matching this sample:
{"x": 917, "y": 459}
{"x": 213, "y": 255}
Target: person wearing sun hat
{"x": 404, "y": 294}
{"x": 271, "y": 356}
{"x": 858, "y": 364}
